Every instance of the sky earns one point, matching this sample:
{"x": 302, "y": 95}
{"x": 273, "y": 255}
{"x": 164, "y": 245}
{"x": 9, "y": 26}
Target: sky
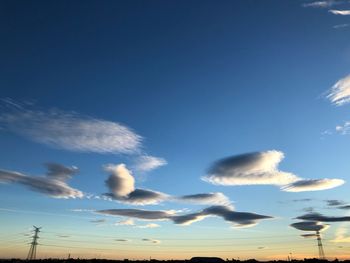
{"x": 173, "y": 129}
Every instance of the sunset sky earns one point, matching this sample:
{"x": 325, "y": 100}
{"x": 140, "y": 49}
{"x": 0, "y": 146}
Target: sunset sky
{"x": 173, "y": 129}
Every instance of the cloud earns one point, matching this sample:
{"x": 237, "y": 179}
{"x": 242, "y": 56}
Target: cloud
{"x": 321, "y": 218}
{"x": 206, "y": 198}
{"x": 261, "y": 168}
{"x": 227, "y": 213}
{"x": 120, "y": 182}
{"x": 334, "y": 202}
{"x": 152, "y": 225}
{"x": 340, "y": 12}
{"x": 138, "y": 213}
{"x": 343, "y": 129}
{"x": 339, "y": 94}
{"x": 98, "y": 221}
{"x": 127, "y": 222}
{"x": 146, "y": 163}
{"x": 141, "y": 197}
{"x": 309, "y": 235}
{"x": 60, "y": 172}
{"x": 341, "y": 26}
{"x": 342, "y": 235}
{"x": 309, "y": 226}
{"x": 302, "y": 200}
{"x": 344, "y": 207}
{"x": 321, "y": 4}
{"x": 121, "y": 240}
{"x": 188, "y": 219}
{"x": 313, "y": 185}
{"x": 238, "y": 218}
{"x": 71, "y": 131}
{"x": 154, "y": 241}
{"x": 53, "y": 184}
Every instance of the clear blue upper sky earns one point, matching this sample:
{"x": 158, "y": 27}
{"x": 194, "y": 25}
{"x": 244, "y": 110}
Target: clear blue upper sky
{"x": 199, "y": 81}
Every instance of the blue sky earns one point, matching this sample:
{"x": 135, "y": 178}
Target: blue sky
{"x": 198, "y": 81}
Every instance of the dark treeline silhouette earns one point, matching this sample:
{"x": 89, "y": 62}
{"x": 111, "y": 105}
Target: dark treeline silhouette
{"x": 192, "y": 260}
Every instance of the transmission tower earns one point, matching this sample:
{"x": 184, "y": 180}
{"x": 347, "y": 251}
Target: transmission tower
{"x": 320, "y": 246}
{"x": 33, "y": 244}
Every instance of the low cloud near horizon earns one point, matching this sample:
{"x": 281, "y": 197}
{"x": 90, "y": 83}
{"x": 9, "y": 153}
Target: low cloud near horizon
{"x": 239, "y": 219}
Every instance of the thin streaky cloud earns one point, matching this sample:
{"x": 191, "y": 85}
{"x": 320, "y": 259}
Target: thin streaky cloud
{"x": 146, "y": 163}
{"x": 341, "y": 26}
{"x": 340, "y": 12}
{"x": 322, "y": 4}
{"x": 313, "y": 185}
{"x": 71, "y": 131}
{"x": 339, "y": 94}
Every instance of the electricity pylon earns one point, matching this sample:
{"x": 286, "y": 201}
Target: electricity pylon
{"x": 320, "y": 246}
{"x": 33, "y": 244}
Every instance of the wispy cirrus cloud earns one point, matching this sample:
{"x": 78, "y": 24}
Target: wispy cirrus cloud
{"x": 206, "y": 198}
{"x": 75, "y": 132}
{"x": 71, "y": 131}
{"x": 322, "y": 4}
{"x": 339, "y": 94}
{"x": 151, "y": 225}
{"x": 261, "y": 168}
{"x": 53, "y": 184}
{"x": 146, "y": 163}
{"x": 240, "y": 219}
{"x": 339, "y": 26}
{"x": 340, "y": 12}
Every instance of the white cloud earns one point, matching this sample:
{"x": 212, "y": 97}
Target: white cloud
{"x": 206, "y": 198}
{"x": 339, "y": 94}
{"x": 71, "y": 131}
{"x": 261, "y": 168}
{"x": 344, "y": 128}
{"x": 321, "y": 4}
{"x": 340, "y": 12}
{"x": 341, "y": 26}
{"x": 126, "y": 222}
{"x": 258, "y": 168}
{"x": 120, "y": 182}
{"x": 147, "y": 163}
{"x": 313, "y": 185}
{"x": 151, "y": 225}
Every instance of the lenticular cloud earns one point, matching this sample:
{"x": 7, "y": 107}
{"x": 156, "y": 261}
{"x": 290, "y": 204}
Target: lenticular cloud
{"x": 261, "y": 168}
{"x": 53, "y": 184}
{"x": 248, "y": 169}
